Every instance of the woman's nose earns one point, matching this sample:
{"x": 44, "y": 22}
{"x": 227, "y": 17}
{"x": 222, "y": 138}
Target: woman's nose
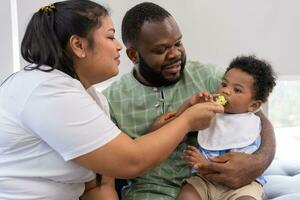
{"x": 119, "y": 45}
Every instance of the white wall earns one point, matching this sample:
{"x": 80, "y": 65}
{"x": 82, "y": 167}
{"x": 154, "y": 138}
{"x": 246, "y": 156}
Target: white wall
{"x": 6, "y": 50}
{"x": 214, "y": 31}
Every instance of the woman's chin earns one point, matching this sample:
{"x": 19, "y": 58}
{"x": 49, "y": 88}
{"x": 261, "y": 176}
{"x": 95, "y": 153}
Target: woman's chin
{"x": 113, "y": 74}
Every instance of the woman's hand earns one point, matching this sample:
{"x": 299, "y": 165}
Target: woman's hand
{"x": 199, "y": 116}
{"x": 199, "y": 97}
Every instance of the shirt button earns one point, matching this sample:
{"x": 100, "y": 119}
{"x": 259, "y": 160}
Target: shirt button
{"x": 155, "y": 89}
{"x": 157, "y": 105}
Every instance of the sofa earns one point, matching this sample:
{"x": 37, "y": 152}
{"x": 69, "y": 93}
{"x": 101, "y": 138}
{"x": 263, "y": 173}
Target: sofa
{"x": 283, "y": 180}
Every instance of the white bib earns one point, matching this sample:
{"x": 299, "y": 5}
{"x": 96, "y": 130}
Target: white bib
{"x": 228, "y": 131}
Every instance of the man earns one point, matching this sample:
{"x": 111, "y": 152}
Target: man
{"x": 160, "y": 82}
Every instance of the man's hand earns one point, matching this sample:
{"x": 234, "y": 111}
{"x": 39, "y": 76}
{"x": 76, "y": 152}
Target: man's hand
{"x": 232, "y": 169}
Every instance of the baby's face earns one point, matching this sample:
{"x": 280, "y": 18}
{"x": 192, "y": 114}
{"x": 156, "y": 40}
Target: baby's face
{"x": 238, "y": 87}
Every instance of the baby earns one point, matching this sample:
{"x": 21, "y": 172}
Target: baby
{"x": 246, "y": 84}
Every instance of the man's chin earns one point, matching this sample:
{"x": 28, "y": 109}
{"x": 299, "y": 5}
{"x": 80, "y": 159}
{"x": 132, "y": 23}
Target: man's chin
{"x": 172, "y": 80}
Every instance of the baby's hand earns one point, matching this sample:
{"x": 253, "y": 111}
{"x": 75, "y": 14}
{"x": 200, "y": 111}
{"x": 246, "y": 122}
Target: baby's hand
{"x": 162, "y": 120}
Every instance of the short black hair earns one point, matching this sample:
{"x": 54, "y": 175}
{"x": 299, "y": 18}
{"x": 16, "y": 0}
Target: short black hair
{"x": 261, "y": 71}
{"x": 49, "y": 31}
{"x": 137, "y": 16}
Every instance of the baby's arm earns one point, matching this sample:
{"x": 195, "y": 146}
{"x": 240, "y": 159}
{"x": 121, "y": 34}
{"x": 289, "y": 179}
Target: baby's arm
{"x": 162, "y": 120}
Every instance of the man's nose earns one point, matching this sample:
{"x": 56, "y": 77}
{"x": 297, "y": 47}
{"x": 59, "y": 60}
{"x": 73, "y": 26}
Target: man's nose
{"x": 174, "y": 53}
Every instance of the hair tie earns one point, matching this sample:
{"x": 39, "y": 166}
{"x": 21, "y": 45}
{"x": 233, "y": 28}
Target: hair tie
{"x": 48, "y": 9}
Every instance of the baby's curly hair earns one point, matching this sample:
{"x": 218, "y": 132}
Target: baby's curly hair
{"x": 261, "y": 71}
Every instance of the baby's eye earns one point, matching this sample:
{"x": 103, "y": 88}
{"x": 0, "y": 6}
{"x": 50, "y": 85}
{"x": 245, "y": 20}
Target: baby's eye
{"x": 223, "y": 84}
{"x": 237, "y": 90}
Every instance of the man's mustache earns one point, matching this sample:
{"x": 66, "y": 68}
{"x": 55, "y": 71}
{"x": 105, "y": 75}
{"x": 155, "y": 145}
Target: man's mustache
{"x": 171, "y": 63}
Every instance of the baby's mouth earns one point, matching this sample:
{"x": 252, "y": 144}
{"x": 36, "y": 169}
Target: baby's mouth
{"x": 222, "y": 99}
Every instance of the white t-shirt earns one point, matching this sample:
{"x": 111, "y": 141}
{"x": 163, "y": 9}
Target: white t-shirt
{"x": 46, "y": 120}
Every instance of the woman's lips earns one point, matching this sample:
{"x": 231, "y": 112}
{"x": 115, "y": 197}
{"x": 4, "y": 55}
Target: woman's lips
{"x": 117, "y": 59}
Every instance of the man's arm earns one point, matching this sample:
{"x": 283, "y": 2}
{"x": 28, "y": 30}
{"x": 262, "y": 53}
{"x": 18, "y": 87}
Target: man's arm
{"x": 266, "y": 152}
{"x": 238, "y": 169}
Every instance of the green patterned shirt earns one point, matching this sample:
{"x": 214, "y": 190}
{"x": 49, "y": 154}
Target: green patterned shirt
{"x": 135, "y": 106}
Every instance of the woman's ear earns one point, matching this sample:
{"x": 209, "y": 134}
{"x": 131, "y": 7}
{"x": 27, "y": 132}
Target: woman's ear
{"x": 132, "y": 55}
{"x": 254, "y": 105}
{"x": 78, "y": 46}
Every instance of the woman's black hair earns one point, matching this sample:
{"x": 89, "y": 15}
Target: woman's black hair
{"x": 50, "y": 29}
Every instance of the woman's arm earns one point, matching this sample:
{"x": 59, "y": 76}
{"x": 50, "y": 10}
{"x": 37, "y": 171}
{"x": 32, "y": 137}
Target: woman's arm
{"x": 238, "y": 169}
{"x": 124, "y": 157}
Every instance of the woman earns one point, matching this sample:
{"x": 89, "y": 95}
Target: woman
{"x": 55, "y": 132}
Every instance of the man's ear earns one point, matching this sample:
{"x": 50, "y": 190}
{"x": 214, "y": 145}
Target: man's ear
{"x": 78, "y": 46}
{"x": 254, "y": 105}
{"x": 132, "y": 55}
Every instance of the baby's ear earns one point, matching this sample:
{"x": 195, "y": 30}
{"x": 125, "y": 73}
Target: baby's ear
{"x": 254, "y": 105}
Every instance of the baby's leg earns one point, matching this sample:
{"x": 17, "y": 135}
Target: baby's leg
{"x": 252, "y": 191}
{"x": 188, "y": 192}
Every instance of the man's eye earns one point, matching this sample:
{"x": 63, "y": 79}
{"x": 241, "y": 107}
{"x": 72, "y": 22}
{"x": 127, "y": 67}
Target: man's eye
{"x": 161, "y": 50}
{"x": 178, "y": 44}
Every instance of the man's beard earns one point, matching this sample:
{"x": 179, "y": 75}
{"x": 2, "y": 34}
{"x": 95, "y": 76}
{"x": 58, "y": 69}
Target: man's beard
{"x": 155, "y": 78}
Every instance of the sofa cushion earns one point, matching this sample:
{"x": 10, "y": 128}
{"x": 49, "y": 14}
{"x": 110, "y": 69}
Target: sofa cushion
{"x": 283, "y": 180}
